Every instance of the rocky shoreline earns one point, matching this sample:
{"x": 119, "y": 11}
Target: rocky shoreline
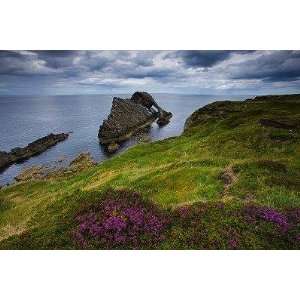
{"x": 81, "y": 162}
{"x": 19, "y": 154}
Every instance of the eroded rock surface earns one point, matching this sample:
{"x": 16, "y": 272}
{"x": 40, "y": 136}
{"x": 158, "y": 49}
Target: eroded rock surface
{"x": 81, "y": 162}
{"x": 20, "y": 154}
{"x": 128, "y": 116}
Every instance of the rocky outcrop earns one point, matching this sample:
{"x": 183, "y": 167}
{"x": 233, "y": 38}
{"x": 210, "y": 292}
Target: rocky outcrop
{"x": 33, "y": 173}
{"x": 239, "y": 112}
{"x": 81, "y": 162}
{"x": 213, "y": 111}
{"x": 20, "y": 154}
{"x": 128, "y": 116}
{"x": 164, "y": 118}
{"x": 146, "y": 100}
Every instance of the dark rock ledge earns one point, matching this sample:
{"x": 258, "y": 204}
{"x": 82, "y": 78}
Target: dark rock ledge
{"x": 20, "y": 154}
{"x": 128, "y": 116}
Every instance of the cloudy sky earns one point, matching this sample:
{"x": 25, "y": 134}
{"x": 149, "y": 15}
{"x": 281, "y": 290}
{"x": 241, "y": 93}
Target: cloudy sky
{"x": 111, "y": 72}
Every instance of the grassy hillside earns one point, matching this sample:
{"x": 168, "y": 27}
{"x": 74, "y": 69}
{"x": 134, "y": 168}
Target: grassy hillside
{"x": 231, "y": 180}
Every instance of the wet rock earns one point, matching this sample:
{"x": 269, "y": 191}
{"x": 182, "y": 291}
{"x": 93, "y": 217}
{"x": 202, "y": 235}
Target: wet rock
{"x": 164, "y": 118}
{"x": 20, "y": 154}
{"x": 5, "y": 159}
{"x": 61, "y": 159}
{"x": 113, "y": 147}
{"x": 128, "y": 116}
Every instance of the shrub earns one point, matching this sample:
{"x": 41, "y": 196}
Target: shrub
{"x": 254, "y": 212}
{"x": 124, "y": 220}
{"x": 121, "y": 219}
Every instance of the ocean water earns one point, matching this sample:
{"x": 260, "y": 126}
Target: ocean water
{"x": 25, "y": 119}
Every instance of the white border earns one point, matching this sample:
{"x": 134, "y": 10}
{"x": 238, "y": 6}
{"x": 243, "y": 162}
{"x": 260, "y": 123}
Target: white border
{"x": 156, "y": 24}
{"x": 149, "y": 275}
{"x": 144, "y": 25}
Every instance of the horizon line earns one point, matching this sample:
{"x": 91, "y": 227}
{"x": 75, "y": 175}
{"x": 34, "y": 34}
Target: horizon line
{"x": 124, "y": 93}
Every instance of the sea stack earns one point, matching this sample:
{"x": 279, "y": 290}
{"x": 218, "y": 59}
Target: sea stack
{"x": 128, "y": 116}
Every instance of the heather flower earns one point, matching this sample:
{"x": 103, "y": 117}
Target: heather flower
{"x": 121, "y": 220}
{"x": 268, "y": 214}
{"x": 233, "y": 243}
{"x": 183, "y": 211}
{"x": 114, "y": 223}
{"x": 293, "y": 215}
{"x": 220, "y": 205}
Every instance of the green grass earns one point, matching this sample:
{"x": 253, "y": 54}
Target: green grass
{"x": 177, "y": 171}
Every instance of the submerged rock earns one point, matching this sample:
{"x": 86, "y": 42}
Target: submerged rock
{"x": 128, "y": 116}
{"x": 40, "y": 145}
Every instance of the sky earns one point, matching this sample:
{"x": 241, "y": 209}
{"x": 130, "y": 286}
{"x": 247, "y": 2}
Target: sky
{"x": 228, "y": 72}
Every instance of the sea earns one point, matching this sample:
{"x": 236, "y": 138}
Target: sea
{"x": 24, "y": 119}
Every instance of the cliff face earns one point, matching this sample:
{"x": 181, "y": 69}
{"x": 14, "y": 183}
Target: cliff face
{"x": 125, "y": 117}
{"x": 234, "y": 110}
{"x": 128, "y": 116}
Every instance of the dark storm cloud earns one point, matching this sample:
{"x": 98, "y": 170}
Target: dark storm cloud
{"x": 143, "y": 72}
{"x": 192, "y": 71}
{"x": 205, "y": 58}
{"x": 57, "y": 58}
{"x": 145, "y": 58}
{"x": 12, "y": 62}
{"x": 272, "y": 66}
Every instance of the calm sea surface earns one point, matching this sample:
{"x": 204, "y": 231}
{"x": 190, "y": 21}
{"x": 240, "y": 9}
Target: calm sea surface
{"x": 25, "y": 119}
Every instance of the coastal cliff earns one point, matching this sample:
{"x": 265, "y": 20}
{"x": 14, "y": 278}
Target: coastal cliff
{"x": 230, "y": 181}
